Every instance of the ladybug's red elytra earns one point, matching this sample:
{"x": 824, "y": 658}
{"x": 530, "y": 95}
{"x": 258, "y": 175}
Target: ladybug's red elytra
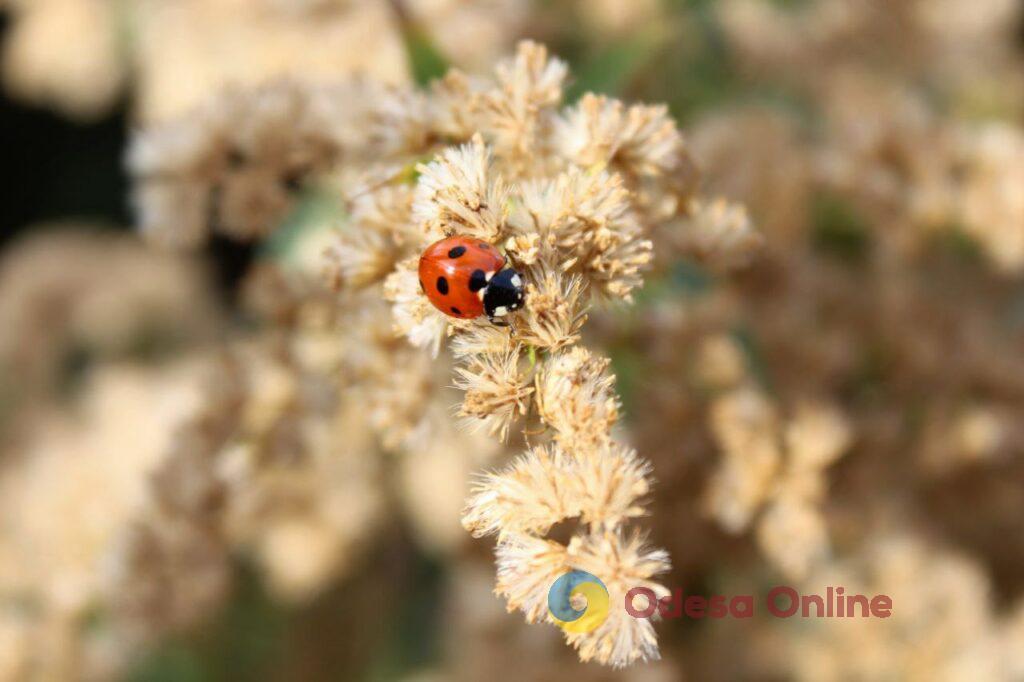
{"x": 465, "y": 278}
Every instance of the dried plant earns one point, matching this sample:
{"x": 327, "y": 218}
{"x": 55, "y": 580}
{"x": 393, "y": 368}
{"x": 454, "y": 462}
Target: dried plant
{"x": 78, "y": 55}
{"x": 574, "y": 196}
{"x": 778, "y": 467}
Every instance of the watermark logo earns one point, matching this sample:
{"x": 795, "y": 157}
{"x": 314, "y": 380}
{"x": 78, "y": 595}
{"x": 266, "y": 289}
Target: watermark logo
{"x": 578, "y": 584}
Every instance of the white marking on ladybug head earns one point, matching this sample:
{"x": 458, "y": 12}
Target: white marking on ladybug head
{"x": 500, "y": 311}
{"x": 517, "y": 281}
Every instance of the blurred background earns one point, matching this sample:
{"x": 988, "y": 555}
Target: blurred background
{"x": 878, "y": 148}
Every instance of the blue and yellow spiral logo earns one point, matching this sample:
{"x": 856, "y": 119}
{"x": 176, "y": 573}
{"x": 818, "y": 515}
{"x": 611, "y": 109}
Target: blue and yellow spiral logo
{"x": 578, "y": 583}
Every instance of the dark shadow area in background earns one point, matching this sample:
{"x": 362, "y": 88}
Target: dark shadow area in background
{"x": 55, "y": 169}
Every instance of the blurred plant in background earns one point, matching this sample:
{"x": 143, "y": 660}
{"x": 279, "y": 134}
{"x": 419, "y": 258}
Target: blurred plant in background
{"x": 174, "y": 55}
{"x": 250, "y": 457}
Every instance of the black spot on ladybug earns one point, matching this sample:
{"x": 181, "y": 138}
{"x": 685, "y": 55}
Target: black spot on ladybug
{"x": 456, "y": 310}
{"x": 485, "y": 246}
{"x": 456, "y": 252}
{"x": 478, "y": 280}
{"x": 442, "y": 285}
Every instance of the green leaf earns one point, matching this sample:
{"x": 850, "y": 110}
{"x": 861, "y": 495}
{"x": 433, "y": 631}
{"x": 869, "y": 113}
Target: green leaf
{"x": 611, "y": 69}
{"x": 425, "y": 59}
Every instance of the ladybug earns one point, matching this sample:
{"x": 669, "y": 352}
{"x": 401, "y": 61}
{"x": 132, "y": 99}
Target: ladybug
{"x": 466, "y": 278}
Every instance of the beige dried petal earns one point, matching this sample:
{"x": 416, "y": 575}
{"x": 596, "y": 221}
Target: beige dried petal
{"x": 611, "y": 483}
{"x": 481, "y": 339}
{"x": 793, "y": 536}
{"x": 555, "y": 310}
{"x": 527, "y": 567}
{"x": 358, "y": 258}
{"x": 586, "y": 219}
{"x": 538, "y": 490}
{"x": 721, "y": 363}
{"x": 414, "y": 316}
{"x": 746, "y": 427}
{"x": 387, "y": 210}
{"x": 458, "y": 193}
{"x": 720, "y": 234}
{"x": 524, "y": 249}
{"x": 517, "y": 112}
{"x": 453, "y": 104}
{"x": 575, "y": 398}
{"x": 816, "y": 436}
{"x": 640, "y": 141}
{"x": 497, "y": 392}
{"x": 621, "y": 563}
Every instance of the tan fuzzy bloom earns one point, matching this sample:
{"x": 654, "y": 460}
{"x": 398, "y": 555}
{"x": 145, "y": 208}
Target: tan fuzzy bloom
{"x": 532, "y": 79}
{"x": 611, "y": 482}
{"x": 575, "y": 398}
{"x": 622, "y": 563}
{"x": 640, "y": 141}
{"x": 539, "y": 207}
{"x": 482, "y": 339}
{"x": 519, "y": 109}
{"x": 358, "y": 258}
{"x": 414, "y": 317}
{"x": 618, "y": 271}
{"x": 775, "y": 468}
{"x": 458, "y": 193}
{"x": 973, "y": 433}
{"x": 720, "y": 362}
{"x": 991, "y": 202}
{"x": 535, "y": 492}
{"x": 527, "y": 567}
{"x": 555, "y": 310}
{"x": 453, "y": 104}
{"x": 387, "y": 209}
{"x": 497, "y": 392}
{"x": 64, "y": 53}
{"x": 603, "y": 232}
{"x": 747, "y": 427}
{"x": 587, "y": 220}
{"x": 816, "y": 436}
{"x": 396, "y": 393}
{"x": 546, "y": 486}
{"x": 793, "y": 536}
{"x": 720, "y": 234}
{"x": 524, "y": 248}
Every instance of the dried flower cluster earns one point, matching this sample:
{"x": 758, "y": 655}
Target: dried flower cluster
{"x": 77, "y": 55}
{"x": 777, "y": 466}
{"x": 948, "y": 629}
{"x": 924, "y": 169}
{"x": 62, "y": 302}
{"x": 572, "y": 195}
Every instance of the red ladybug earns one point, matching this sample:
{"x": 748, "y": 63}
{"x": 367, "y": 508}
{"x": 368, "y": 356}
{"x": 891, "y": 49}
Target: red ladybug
{"x": 466, "y": 278}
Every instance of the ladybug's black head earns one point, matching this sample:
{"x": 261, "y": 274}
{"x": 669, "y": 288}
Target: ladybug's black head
{"x": 504, "y": 293}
